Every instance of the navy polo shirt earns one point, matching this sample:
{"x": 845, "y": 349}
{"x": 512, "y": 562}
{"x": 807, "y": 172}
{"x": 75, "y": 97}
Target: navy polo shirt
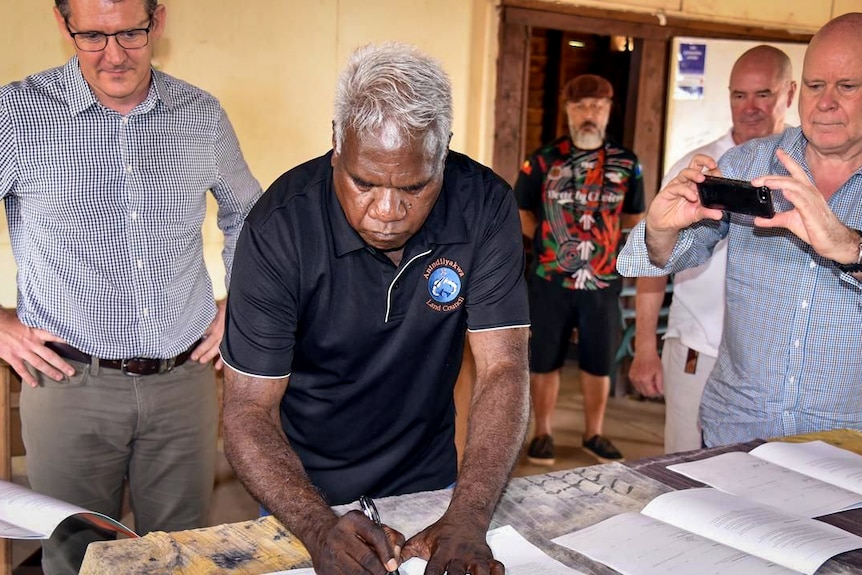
{"x": 372, "y": 350}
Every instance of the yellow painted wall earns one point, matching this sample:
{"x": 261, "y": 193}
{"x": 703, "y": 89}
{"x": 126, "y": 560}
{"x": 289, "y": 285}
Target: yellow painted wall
{"x": 273, "y": 63}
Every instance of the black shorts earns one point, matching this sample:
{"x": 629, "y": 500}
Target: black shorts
{"x": 555, "y": 311}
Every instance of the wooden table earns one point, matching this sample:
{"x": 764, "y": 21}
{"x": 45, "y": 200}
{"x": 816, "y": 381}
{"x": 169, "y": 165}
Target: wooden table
{"x": 540, "y": 507}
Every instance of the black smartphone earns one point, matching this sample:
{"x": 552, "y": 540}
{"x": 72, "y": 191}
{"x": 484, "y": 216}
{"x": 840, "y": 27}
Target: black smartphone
{"x": 736, "y": 196}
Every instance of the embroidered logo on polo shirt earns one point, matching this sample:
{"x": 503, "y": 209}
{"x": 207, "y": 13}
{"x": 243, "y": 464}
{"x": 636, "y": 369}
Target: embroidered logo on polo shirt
{"x": 444, "y": 285}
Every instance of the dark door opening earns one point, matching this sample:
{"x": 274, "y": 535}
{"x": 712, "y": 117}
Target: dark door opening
{"x": 556, "y": 56}
{"x": 643, "y": 80}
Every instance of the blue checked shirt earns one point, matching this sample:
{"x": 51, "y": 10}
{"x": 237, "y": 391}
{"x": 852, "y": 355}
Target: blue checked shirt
{"x": 105, "y": 211}
{"x": 790, "y": 360}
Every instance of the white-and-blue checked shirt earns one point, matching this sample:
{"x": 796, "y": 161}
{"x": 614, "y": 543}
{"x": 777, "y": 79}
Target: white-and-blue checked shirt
{"x": 790, "y": 360}
{"x": 105, "y": 211}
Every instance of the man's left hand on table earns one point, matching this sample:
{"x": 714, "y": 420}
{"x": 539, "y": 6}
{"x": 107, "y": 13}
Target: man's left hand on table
{"x": 455, "y": 547}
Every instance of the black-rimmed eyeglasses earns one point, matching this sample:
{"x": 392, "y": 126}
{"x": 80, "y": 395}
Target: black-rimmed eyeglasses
{"x": 97, "y": 41}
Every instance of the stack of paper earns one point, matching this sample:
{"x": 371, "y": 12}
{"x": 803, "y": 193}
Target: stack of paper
{"x": 809, "y": 479}
{"x": 25, "y": 514}
{"x": 705, "y": 531}
{"x": 756, "y": 521}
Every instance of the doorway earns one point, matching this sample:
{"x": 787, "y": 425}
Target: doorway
{"x": 643, "y": 112}
{"x": 556, "y": 56}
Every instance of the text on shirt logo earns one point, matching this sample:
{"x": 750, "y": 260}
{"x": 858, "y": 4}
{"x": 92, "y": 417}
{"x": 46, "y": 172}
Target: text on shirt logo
{"x": 444, "y": 285}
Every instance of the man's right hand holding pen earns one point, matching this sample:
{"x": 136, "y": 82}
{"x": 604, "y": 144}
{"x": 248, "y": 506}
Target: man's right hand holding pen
{"x": 370, "y": 511}
{"x": 353, "y": 544}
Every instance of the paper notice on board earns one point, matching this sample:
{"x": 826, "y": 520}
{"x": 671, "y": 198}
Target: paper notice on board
{"x": 691, "y": 67}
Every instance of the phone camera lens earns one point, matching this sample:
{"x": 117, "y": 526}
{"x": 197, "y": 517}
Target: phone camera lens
{"x": 763, "y": 196}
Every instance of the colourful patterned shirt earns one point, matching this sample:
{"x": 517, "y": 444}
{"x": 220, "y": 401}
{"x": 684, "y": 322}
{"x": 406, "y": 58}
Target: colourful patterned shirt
{"x": 577, "y": 197}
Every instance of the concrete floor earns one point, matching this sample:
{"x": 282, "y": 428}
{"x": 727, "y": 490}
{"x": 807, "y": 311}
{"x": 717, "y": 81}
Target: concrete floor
{"x": 635, "y": 426}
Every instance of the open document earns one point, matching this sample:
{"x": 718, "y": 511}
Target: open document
{"x": 810, "y": 479}
{"x": 509, "y": 547}
{"x": 25, "y": 514}
{"x": 705, "y": 531}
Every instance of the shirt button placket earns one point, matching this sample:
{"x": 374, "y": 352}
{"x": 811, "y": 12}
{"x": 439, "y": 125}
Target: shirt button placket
{"x": 794, "y": 399}
{"x": 136, "y": 232}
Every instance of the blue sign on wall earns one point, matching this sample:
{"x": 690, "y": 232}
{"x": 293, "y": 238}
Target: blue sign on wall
{"x": 691, "y": 67}
{"x": 692, "y": 59}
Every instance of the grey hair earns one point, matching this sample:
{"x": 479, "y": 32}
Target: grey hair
{"x": 66, "y": 12}
{"x": 397, "y": 88}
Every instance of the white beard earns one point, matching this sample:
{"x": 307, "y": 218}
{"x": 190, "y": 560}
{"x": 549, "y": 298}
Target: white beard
{"x": 587, "y": 140}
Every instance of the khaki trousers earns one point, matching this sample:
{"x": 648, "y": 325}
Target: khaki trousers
{"x": 89, "y": 433}
{"x": 682, "y": 393}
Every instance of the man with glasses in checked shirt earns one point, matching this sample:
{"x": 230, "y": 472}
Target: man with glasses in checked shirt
{"x": 104, "y": 168}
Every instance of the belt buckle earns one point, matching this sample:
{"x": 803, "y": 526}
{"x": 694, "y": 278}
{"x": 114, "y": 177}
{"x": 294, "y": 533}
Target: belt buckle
{"x": 124, "y": 364}
{"x": 142, "y": 370}
{"x": 166, "y": 365}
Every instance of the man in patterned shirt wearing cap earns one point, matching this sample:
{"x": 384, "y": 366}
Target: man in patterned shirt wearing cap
{"x": 575, "y": 195}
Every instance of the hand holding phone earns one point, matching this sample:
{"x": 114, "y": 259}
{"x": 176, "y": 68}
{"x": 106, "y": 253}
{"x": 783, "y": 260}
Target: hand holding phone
{"x": 736, "y": 196}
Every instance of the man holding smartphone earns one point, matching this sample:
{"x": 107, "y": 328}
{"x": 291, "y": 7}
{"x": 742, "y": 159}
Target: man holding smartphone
{"x": 789, "y": 359}
{"x": 761, "y": 91}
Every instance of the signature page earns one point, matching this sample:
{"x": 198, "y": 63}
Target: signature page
{"x": 796, "y": 542}
{"x": 635, "y": 544}
{"x": 745, "y": 475}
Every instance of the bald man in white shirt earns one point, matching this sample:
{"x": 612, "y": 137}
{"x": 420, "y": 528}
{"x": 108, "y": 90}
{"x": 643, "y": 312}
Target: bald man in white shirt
{"x": 761, "y": 91}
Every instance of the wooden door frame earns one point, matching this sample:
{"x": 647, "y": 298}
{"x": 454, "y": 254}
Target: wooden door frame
{"x": 517, "y": 17}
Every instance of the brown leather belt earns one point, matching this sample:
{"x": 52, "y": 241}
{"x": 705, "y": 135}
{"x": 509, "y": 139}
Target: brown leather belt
{"x": 130, "y": 366}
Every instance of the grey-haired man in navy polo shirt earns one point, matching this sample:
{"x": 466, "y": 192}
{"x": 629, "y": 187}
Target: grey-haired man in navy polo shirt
{"x": 356, "y": 279}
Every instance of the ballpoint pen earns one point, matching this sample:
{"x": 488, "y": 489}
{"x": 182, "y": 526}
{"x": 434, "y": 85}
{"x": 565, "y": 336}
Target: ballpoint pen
{"x": 370, "y": 511}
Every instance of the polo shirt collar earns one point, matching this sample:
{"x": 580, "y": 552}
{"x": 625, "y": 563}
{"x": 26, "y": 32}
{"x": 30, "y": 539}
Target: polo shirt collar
{"x": 444, "y": 225}
{"x": 344, "y": 237}
{"x": 81, "y": 97}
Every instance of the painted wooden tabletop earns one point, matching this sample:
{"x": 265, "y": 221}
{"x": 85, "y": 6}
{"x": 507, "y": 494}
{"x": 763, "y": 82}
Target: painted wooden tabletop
{"x": 540, "y": 507}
